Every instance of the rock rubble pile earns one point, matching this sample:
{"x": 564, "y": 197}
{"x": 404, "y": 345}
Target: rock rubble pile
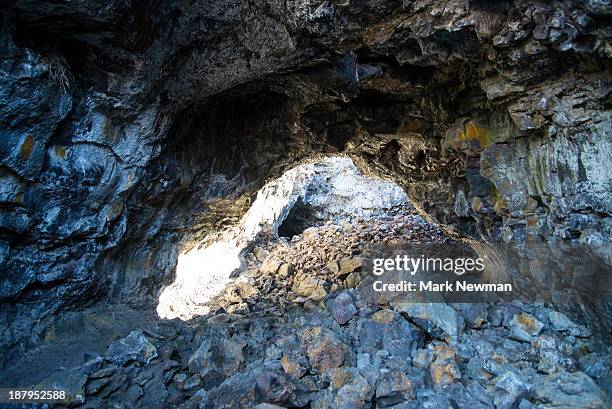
{"x": 294, "y": 331}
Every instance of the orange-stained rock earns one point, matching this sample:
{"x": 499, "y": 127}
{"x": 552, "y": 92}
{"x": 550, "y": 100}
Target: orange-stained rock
{"x": 444, "y": 369}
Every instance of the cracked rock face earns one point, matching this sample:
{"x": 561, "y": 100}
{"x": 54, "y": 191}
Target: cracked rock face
{"x": 132, "y": 130}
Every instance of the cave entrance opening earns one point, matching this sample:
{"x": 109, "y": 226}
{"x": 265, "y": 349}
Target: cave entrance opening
{"x": 328, "y": 189}
{"x": 299, "y": 218}
{"x": 336, "y": 191}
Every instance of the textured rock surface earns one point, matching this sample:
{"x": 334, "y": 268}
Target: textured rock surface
{"x": 287, "y": 351}
{"x": 134, "y": 129}
{"x": 134, "y": 347}
{"x": 309, "y": 194}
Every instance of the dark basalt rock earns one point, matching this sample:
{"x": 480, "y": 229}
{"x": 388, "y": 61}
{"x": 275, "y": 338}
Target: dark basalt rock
{"x": 131, "y": 130}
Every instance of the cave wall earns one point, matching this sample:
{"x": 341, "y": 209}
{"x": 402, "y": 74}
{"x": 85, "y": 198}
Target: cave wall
{"x": 131, "y": 130}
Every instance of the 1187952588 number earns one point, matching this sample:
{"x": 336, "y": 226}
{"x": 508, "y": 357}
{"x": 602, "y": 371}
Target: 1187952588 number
{"x": 9, "y": 395}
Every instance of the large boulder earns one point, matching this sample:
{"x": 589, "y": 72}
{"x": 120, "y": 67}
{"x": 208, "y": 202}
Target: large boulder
{"x": 134, "y": 347}
{"x": 389, "y": 331}
{"x": 324, "y": 349}
{"x": 438, "y": 319}
{"x": 569, "y": 390}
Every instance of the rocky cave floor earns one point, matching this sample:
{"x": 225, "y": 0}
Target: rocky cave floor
{"x": 294, "y": 331}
